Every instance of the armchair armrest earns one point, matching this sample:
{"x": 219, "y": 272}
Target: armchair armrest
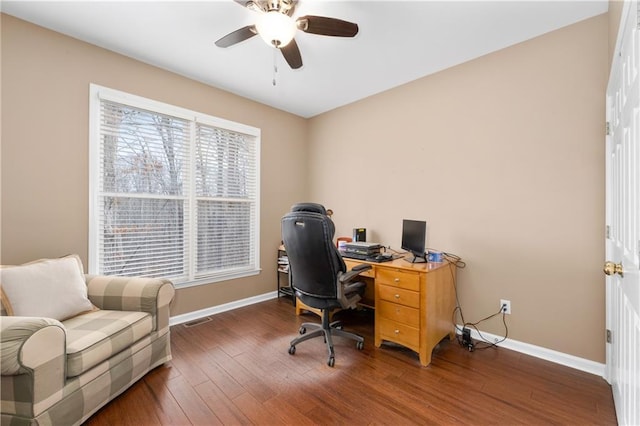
{"x": 33, "y": 362}
{"x": 29, "y": 342}
{"x": 152, "y": 295}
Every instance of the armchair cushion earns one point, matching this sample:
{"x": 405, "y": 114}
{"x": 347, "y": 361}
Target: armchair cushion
{"x": 51, "y": 288}
{"x": 97, "y": 336}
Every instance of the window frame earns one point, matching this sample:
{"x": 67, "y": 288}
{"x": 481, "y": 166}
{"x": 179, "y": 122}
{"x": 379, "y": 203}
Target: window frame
{"x": 99, "y": 93}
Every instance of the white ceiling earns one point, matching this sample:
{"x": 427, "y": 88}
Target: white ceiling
{"x": 399, "y": 41}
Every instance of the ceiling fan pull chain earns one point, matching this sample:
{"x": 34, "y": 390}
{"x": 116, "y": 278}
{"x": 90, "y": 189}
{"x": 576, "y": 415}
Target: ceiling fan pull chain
{"x": 275, "y": 66}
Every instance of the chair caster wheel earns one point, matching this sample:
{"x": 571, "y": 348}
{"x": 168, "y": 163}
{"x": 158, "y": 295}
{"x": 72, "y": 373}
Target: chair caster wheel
{"x": 292, "y": 350}
{"x": 360, "y": 346}
{"x": 302, "y": 330}
{"x": 331, "y": 362}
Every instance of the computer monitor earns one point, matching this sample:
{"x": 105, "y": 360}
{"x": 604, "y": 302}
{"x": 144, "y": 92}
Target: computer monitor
{"x": 414, "y": 233}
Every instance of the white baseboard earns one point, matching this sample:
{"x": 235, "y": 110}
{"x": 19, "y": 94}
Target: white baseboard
{"x": 514, "y": 345}
{"x": 191, "y": 316}
{"x": 542, "y": 353}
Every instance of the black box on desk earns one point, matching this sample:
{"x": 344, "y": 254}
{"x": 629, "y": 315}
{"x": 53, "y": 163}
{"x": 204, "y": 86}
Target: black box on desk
{"x": 363, "y": 248}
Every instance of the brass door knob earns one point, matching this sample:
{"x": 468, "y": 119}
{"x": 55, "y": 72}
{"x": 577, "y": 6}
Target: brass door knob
{"x": 611, "y": 268}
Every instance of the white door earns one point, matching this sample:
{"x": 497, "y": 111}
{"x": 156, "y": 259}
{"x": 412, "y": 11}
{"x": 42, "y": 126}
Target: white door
{"x": 623, "y": 220}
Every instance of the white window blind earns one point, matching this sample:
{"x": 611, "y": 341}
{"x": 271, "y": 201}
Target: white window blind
{"x": 225, "y": 184}
{"x": 174, "y": 192}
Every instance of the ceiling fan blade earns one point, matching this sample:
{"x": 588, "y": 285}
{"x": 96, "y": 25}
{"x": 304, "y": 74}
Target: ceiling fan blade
{"x": 291, "y": 54}
{"x": 324, "y": 25}
{"x": 237, "y": 36}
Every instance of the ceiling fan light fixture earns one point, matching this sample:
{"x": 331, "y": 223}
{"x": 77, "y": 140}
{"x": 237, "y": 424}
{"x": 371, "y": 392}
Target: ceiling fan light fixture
{"x": 276, "y": 29}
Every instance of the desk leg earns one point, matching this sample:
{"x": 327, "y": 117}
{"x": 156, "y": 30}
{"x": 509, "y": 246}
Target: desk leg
{"x": 425, "y": 354}
{"x": 425, "y": 358}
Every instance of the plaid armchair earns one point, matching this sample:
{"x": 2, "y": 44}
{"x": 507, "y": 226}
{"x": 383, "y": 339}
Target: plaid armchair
{"x": 61, "y": 372}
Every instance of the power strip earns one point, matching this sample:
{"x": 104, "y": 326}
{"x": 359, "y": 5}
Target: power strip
{"x": 467, "y": 342}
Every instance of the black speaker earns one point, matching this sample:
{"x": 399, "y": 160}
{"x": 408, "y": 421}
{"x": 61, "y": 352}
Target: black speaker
{"x": 359, "y": 234}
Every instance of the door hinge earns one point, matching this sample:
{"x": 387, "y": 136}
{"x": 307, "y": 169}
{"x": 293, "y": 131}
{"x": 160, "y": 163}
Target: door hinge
{"x": 607, "y": 128}
{"x": 607, "y": 232}
{"x": 608, "y": 336}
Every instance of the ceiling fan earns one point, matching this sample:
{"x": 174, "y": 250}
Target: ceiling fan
{"x": 277, "y": 27}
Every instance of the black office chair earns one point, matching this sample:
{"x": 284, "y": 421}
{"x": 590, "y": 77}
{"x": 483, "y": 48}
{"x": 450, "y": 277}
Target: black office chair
{"x": 318, "y": 274}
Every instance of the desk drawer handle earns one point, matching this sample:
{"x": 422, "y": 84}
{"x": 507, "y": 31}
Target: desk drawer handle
{"x": 396, "y": 331}
{"x": 397, "y": 296}
{"x": 397, "y": 280}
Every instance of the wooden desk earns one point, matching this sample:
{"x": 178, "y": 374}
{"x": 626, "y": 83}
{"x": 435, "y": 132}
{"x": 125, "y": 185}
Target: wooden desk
{"x": 413, "y": 303}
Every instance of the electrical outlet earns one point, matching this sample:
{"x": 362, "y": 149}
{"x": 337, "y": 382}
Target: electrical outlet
{"x": 506, "y": 306}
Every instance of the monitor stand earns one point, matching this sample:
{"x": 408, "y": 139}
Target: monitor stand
{"x": 417, "y": 259}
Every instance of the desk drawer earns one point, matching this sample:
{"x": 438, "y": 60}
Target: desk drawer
{"x": 398, "y": 278}
{"x": 399, "y": 313}
{"x": 399, "y": 295}
{"x": 394, "y": 331}
{"x": 371, "y": 273}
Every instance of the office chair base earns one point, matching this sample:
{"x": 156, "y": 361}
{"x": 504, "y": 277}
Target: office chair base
{"x": 327, "y": 330}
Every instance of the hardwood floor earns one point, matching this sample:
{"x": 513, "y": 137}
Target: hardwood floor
{"x": 235, "y": 369}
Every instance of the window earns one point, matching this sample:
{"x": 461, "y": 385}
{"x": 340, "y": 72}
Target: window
{"x": 174, "y": 193}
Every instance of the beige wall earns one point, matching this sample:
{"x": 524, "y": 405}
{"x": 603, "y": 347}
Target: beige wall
{"x": 503, "y": 157}
{"x": 45, "y": 99}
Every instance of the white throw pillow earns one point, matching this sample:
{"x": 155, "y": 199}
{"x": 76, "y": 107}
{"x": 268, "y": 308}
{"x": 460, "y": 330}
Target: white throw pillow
{"x": 51, "y": 288}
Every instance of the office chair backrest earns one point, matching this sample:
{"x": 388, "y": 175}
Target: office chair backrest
{"x": 314, "y": 261}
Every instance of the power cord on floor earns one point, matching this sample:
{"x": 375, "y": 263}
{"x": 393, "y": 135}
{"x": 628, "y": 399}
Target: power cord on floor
{"x": 463, "y": 335}
{"x": 486, "y": 343}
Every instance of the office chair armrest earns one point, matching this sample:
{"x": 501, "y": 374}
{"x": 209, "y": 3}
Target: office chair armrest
{"x": 361, "y": 267}
{"x": 353, "y": 287}
{"x": 350, "y": 275}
